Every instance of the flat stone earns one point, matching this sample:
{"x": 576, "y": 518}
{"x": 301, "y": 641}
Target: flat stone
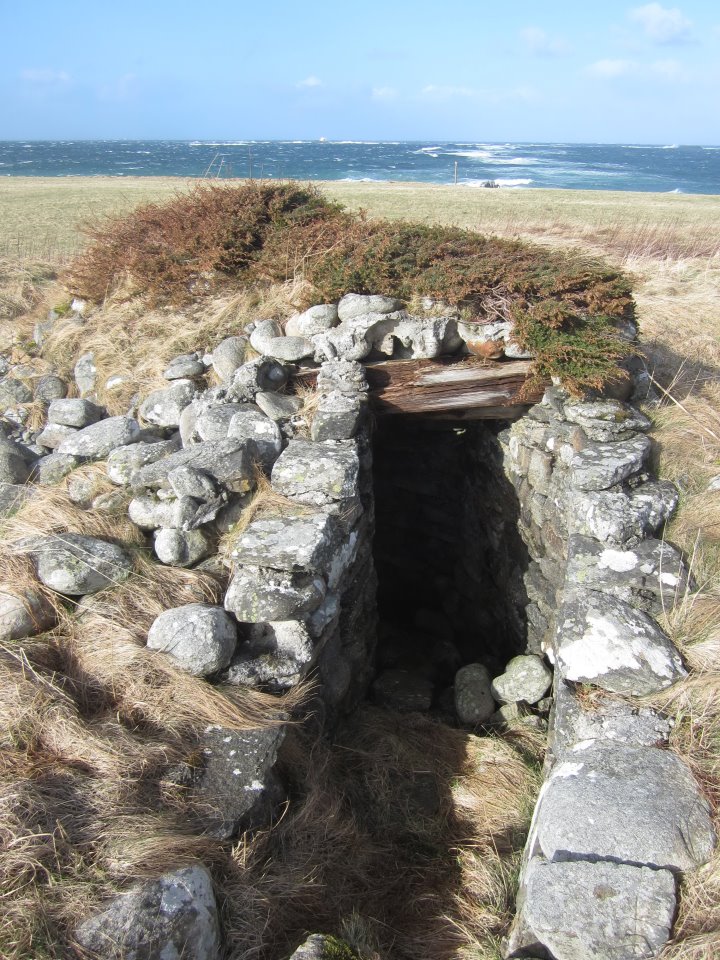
{"x": 53, "y": 435}
{"x": 605, "y": 642}
{"x": 317, "y": 319}
{"x": 289, "y": 349}
{"x": 308, "y": 542}
{"x": 200, "y": 637}
{"x": 73, "y": 564}
{"x": 125, "y": 461}
{"x": 356, "y": 305}
{"x": 256, "y": 594}
{"x": 601, "y": 465}
{"x": 163, "y": 407}
{"x": 75, "y": 413}
{"x": 238, "y": 785}
{"x": 626, "y": 803}
{"x": 180, "y": 548}
{"x": 278, "y": 406}
{"x": 315, "y": 473}
{"x": 616, "y": 517}
{"x": 650, "y": 575}
{"x": 165, "y": 919}
{"x": 526, "y": 678}
{"x": 49, "y": 387}
{"x": 23, "y": 613}
{"x": 228, "y": 355}
{"x": 86, "y": 374}
{"x": 100, "y": 439}
{"x": 474, "y": 702}
{"x": 599, "y": 911}
{"x": 260, "y": 432}
{"x": 607, "y": 420}
{"x": 337, "y": 417}
{"x": 185, "y": 367}
{"x": 228, "y": 461}
{"x": 150, "y": 513}
{"x": 403, "y": 691}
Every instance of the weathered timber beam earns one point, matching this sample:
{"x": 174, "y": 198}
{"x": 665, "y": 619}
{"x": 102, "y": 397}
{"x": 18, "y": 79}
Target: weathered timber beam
{"x": 463, "y": 388}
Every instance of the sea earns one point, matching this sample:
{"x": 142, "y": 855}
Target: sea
{"x": 663, "y": 168}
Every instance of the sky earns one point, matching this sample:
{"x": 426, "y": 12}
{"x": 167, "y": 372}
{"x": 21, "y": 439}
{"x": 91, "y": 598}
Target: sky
{"x": 610, "y": 72}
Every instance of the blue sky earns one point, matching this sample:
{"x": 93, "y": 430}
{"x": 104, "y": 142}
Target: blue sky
{"x": 606, "y": 72}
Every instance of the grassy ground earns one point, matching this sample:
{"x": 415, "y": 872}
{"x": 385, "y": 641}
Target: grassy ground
{"x": 670, "y": 246}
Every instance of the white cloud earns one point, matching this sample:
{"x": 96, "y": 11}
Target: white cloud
{"x": 541, "y": 44}
{"x": 612, "y": 68}
{"x": 46, "y": 77}
{"x": 309, "y": 82}
{"x": 662, "y": 24}
{"x": 384, "y": 93}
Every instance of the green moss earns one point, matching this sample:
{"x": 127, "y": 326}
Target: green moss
{"x": 336, "y": 949}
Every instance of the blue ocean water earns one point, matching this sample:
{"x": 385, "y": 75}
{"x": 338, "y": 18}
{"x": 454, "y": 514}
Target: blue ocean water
{"x": 588, "y": 166}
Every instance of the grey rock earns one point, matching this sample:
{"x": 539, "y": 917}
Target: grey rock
{"x": 659, "y": 498}
{"x": 100, "y": 439}
{"x": 74, "y": 413}
{"x": 256, "y": 594}
{"x": 13, "y": 391}
{"x": 615, "y": 517}
{"x": 228, "y": 355}
{"x": 607, "y": 420}
{"x": 228, "y": 461}
{"x": 73, "y": 564}
{"x": 526, "y": 678}
{"x": 150, "y": 513}
{"x": 599, "y": 911}
{"x": 601, "y": 465}
{"x": 12, "y": 497}
{"x": 317, "y": 474}
{"x": 474, "y": 702}
{"x": 320, "y": 947}
{"x": 165, "y": 919}
{"x": 337, "y": 417}
{"x": 86, "y": 374}
{"x": 308, "y": 542}
{"x": 54, "y": 434}
{"x": 163, "y": 407}
{"x": 238, "y": 785}
{"x": 289, "y": 349}
{"x": 278, "y": 406}
{"x": 180, "y": 548}
{"x": 275, "y": 655}
{"x": 14, "y": 468}
{"x": 713, "y": 485}
{"x": 189, "y": 482}
{"x": 229, "y": 514}
{"x": 403, "y": 691}
{"x": 199, "y": 637}
{"x": 126, "y": 460}
{"x": 263, "y": 332}
{"x": 605, "y": 642}
{"x": 113, "y": 502}
{"x": 650, "y": 575}
{"x": 53, "y": 468}
{"x": 625, "y": 803}
{"x": 264, "y": 375}
{"x": 185, "y": 367}
{"x": 355, "y": 305}
{"x": 260, "y": 432}
{"x": 81, "y": 489}
{"x": 317, "y": 319}
{"x": 49, "y": 387}
{"x": 23, "y": 614}
{"x": 214, "y": 422}
{"x": 345, "y": 376}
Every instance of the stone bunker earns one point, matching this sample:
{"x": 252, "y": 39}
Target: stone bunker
{"x": 438, "y": 537}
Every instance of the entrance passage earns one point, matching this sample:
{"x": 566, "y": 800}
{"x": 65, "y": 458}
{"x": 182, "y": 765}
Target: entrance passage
{"x": 448, "y": 555}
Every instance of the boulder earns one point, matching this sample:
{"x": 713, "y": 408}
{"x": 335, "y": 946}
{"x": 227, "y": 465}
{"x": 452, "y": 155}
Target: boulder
{"x": 86, "y": 374}
{"x": 228, "y": 355}
{"x": 73, "y": 564}
{"x": 474, "y": 701}
{"x": 356, "y": 305}
{"x": 74, "y": 413}
{"x": 289, "y": 349}
{"x": 180, "y": 548}
{"x": 12, "y": 497}
{"x": 317, "y": 319}
{"x": 526, "y": 679}
{"x": 278, "y": 406}
{"x": 601, "y": 465}
{"x": 607, "y": 420}
{"x": 53, "y": 435}
{"x": 23, "y": 613}
{"x": 14, "y": 391}
{"x": 150, "y": 513}
{"x": 53, "y": 468}
{"x": 337, "y": 417}
{"x": 263, "y": 332}
{"x": 190, "y": 482}
{"x": 262, "y": 375}
{"x": 308, "y": 542}
{"x": 625, "y": 803}
{"x": 256, "y": 594}
{"x": 49, "y": 387}
{"x": 228, "y": 461}
{"x": 163, "y": 407}
{"x": 260, "y": 432}
{"x": 14, "y": 468}
{"x": 165, "y": 919}
{"x": 124, "y": 461}
{"x": 213, "y": 423}
{"x": 100, "y": 439}
{"x": 599, "y": 911}
{"x": 275, "y": 655}
{"x": 315, "y": 473}
{"x": 185, "y": 367}
{"x": 199, "y": 637}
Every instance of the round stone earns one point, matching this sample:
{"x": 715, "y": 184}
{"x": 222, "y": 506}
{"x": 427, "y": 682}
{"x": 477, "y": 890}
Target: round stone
{"x": 526, "y": 679}
{"x": 200, "y": 637}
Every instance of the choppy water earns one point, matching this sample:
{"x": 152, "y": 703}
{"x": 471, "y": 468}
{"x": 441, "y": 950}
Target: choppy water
{"x": 665, "y": 168}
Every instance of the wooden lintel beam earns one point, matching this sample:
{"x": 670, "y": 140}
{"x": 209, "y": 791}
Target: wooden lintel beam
{"x": 451, "y": 387}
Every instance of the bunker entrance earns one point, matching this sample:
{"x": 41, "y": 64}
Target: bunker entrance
{"x": 448, "y": 555}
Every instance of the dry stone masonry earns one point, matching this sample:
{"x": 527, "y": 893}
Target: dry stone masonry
{"x": 521, "y": 574}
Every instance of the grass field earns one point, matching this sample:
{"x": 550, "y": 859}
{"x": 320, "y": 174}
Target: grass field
{"x": 670, "y": 246}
